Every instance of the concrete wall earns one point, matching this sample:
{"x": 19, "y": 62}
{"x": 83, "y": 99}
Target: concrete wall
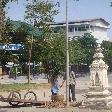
{"x": 100, "y": 33}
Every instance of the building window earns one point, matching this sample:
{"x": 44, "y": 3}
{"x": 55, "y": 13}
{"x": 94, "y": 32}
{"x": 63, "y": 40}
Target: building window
{"x": 76, "y": 29}
{"x": 92, "y": 28}
{"x": 87, "y": 27}
{"x": 71, "y": 29}
{"x": 82, "y": 28}
{"x": 79, "y": 28}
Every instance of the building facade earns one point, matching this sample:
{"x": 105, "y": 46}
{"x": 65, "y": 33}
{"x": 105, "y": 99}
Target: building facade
{"x": 97, "y": 27}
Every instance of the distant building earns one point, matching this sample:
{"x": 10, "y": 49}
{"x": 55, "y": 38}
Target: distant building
{"x": 97, "y": 27}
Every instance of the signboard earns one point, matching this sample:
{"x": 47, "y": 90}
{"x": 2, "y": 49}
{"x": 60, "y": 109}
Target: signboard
{"x": 11, "y": 46}
{"x": 11, "y": 64}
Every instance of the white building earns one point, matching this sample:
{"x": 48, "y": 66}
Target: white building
{"x": 97, "y": 27}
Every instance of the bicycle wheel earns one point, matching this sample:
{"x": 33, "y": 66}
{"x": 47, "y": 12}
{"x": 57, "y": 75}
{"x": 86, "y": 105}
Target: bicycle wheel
{"x": 14, "y": 96}
{"x": 30, "y": 96}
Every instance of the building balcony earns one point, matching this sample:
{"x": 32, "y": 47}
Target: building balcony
{"x": 78, "y": 33}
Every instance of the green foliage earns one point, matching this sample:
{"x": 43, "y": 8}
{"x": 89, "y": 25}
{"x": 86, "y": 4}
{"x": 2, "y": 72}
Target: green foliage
{"x": 77, "y": 54}
{"x": 6, "y": 38}
{"x": 41, "y": 13}
{"x": 4, "y": 57}
{"x": 50, "y": 49}
{"x": 4, "y": 2}
{"x": 107, "y": 51}
{"x": 41, "y": 69}
{"x": 55, "y": 55}
{"x": 6, "y": 33}
{"x": 22, "y": 29}
{"x": 47, "y": 47}
{"x": 88, "y": 44}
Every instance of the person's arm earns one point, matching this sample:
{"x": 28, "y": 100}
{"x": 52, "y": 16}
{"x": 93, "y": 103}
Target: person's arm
{"x": 74, "y": 82}
{"x": 62, "y": 83}
{"x": 73, "y": 75}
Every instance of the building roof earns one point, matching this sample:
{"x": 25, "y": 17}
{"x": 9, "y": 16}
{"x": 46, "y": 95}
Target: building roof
{"x": 81, "y": 21}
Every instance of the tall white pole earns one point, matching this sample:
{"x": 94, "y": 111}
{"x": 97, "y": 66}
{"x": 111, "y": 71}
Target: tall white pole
{"x": 1, "y": 18}
{"x": 67, "y": 58}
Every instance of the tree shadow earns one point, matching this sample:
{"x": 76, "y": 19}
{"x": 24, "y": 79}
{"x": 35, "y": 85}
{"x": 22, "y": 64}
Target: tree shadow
{"x": 19, "y": 106}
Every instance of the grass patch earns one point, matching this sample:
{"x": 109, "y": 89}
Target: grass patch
{"x": 19, "y": 87}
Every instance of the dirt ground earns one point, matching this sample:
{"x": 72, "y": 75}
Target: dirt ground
{"x": 82, "y": 85}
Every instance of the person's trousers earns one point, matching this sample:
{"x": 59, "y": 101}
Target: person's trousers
{"x": 72, "y": 92}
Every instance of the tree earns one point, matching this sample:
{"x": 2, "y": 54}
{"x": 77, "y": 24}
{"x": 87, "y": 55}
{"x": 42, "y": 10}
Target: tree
{"x": 77, "y": 54}
{"x": 40, "y": 13}
{"x": 6, "y": 38}
{"x": 55, "y": 52}
{"x": 88, "y": 44}
{"x": 5, "y": 29}
{"x": 5, "y": 2}
{"x": 107, "y": 51}
{"x": 27, "y": 35}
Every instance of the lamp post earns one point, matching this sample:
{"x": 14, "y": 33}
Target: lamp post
{"x": 67, "y": 58}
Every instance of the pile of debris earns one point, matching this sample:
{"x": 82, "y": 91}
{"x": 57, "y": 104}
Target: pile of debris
{"x": 55, "y": 104}
{"x": 57, "y": 101}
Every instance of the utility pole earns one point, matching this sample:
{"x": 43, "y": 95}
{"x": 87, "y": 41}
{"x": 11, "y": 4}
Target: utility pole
{"x": 67, "y": 58}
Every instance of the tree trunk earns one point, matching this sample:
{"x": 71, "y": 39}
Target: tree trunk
{"x": 29, "y": 68}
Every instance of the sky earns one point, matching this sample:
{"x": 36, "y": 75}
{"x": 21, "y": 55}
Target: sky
{"x": 77, "y": 10}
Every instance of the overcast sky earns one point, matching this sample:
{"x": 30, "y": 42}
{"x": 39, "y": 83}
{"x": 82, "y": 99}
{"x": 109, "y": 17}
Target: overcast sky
{"x": 83, "y": 9}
